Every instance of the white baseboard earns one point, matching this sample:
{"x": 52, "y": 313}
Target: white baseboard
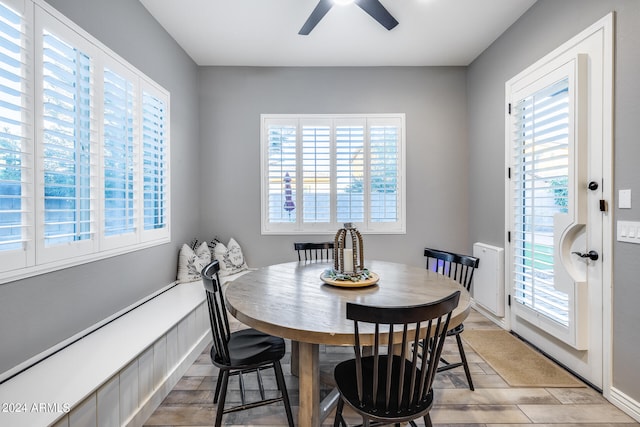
{"x": 500, "y": 321}
{"x": 625, "y": 403}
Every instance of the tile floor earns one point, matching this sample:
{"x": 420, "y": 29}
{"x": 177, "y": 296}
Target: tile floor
{"x": 493, "y": 403}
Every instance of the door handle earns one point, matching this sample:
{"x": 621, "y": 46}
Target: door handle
{"x": 592, "y": 255}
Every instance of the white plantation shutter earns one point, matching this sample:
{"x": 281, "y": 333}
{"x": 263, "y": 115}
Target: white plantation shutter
{"x": 68, "y": 145}
{"x": 350, "y": 175}
{"x": 281, "y": 172}
{"x": 119, "y": 160}
{"x": 16, "y": 156}
{"x": 345, "y": 168}
{"x": 540, "y": 181}
{"x": 316, "y": 173}
{"x": 155, "y": 164}
{"x": 384, "y": 172}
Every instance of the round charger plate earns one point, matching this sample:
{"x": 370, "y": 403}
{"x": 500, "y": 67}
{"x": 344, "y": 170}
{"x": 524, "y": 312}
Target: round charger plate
{"x": 351, "y": 284}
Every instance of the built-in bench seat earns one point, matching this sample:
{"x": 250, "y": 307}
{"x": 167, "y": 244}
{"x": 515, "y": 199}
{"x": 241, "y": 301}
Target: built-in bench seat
{"x": 119, "y": 373}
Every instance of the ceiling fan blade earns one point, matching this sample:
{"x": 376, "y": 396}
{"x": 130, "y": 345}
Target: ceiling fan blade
{"x": 378, "y": 12}
{"x": 318, "y": 13}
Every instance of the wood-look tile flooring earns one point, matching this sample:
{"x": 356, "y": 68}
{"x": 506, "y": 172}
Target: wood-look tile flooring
{"x": 493, "y": 403}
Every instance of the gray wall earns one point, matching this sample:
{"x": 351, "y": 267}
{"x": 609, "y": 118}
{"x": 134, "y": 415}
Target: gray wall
{"x": 39, "y": 312}
{"x": 547, "y": 25}
{"x": 434, "y": 100}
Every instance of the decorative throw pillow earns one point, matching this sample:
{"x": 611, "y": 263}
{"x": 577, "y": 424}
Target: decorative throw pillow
{"x": 191, "y": 262}
{"x": 230, "y": 258}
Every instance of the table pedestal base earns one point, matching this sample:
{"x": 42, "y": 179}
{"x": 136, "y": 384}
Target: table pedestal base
{"x": 309, "y": 384}
{"x": 311, "y": 411}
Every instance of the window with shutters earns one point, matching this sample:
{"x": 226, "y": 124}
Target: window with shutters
{"x": 16, "y": 137}
{"x": 155, "y": 163}
{"x": 84, "y": 165}
{"x": 321, "y": 171}
{"x": 118, "y": 155}
{"x": 66, "y": 145}
{"x": 540, "y": 154}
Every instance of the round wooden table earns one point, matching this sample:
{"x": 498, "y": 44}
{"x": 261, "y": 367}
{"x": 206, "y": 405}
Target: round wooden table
{"x": 291, "y": 301}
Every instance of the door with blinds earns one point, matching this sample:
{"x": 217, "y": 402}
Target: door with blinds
{"x": 556, "y": 208}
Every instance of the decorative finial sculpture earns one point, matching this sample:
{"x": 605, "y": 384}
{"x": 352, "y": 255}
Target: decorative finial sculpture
{"x": 349, "y": 261}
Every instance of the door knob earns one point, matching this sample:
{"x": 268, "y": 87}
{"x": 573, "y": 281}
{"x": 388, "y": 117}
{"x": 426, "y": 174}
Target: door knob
{"x": 593, "y": 186}
{"x": 592, "y": 255}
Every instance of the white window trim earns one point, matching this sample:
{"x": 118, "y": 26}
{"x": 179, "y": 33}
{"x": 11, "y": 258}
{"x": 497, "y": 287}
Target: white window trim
{"x": 333, "y": 120}
{"x": 32, "y": 260}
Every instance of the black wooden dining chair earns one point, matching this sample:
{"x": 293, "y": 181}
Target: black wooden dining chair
{"x": 387, "y": 387}
{"x": 240, "y": 352}
{"x": 322, "y": 251}
{"x": 460, "y": 268}
{"x": 310, "y": 252}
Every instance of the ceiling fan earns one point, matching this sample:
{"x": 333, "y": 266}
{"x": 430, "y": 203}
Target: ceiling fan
{"x": 372, "y": 7}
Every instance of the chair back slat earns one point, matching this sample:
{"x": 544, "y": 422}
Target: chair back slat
{"x": 458, "y": 267}
{"x": 387, "y": 395}
{"x": 431, "y": 357}
{"x": 358, "y": 360}
{"x": 217, "y": 311}
{"x": 401, "y": 386}
{"x": 394, "y": 382}
{"x": 311, "y": 251}
{"x": 414, "y": 362}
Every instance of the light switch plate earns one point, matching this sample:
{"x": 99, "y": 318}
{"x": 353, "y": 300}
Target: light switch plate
{"x": 628, "y": 231}
{"x": 624, "y": 199}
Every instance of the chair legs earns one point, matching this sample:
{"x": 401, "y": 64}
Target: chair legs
{"x": 338, "y": 420}
{"x": 283, "y": 389}
{"x": 463, "y": 363}
{"x": 242, "y": 391}
{"x": 220, "y": 395}
{"x": 218, "y": 384}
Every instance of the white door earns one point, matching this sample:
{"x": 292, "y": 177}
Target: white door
{"x": 557, "y": 193}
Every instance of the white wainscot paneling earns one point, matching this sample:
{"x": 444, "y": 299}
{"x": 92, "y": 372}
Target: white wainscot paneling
{"x": 84, "y": 414}
{"x": 172, "y": 348}
{"x": 109, "y": 403}
{"x": 128, "y": 391}
{"x": 145, "y": 375}
{"x": 159, "y": 361}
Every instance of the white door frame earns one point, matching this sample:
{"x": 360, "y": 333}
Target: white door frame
{"x": 605, "y": 27}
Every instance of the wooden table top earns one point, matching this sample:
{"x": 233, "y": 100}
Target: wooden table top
{"x": 291, "y": 301}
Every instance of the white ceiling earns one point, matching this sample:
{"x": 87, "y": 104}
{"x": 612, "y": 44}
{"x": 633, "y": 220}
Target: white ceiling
{"x": 265, "y": 32}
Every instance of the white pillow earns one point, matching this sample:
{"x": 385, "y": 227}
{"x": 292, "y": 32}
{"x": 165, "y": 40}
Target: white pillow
{"x": 191, "y": 263}
{"x": 230, "y": 258}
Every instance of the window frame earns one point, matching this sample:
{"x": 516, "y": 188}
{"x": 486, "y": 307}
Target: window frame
{"x": 367, "y": 226}
{"x": 570, "y": 331}
{"x": 33, "y": 258}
